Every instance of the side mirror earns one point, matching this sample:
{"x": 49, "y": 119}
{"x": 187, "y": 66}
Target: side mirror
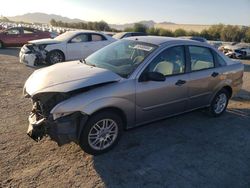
{"x": 153, "y": 76}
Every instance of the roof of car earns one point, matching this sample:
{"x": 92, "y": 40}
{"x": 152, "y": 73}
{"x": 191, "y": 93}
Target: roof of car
{"x": 83, "y": 31}
{"x": 158, "y": 40}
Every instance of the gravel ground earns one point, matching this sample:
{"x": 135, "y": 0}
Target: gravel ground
{"x": 191, "y": 150}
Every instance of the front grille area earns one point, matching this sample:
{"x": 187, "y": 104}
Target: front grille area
{"x": 45, "y": 102}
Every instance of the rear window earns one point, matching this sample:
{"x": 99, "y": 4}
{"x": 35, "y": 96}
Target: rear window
{"x": 95, "y": 37}
{"x": 201, "y": 58}
{"x": 220, "y": 60}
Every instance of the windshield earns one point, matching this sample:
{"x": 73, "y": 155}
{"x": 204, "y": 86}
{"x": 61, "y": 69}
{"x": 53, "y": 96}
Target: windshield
{"x": 65, "y": 36}
{"x": 121, "y": 57}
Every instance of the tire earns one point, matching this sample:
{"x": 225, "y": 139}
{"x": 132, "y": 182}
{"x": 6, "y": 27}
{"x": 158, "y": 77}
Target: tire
{"x": 221, "y": 98}
{"x": 55, "y": 56}
{"x": 96, "y": 140}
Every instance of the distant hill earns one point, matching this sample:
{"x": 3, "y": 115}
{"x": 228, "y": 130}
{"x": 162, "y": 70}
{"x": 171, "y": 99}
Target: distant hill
{"x": 41, "y": 18}
{"x": 45, "y": 18}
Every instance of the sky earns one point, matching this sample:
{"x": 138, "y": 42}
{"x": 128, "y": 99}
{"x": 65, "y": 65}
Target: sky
{"x": 128, "y": 11}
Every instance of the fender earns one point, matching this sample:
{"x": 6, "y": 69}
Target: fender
{"x": 125, "y": 105}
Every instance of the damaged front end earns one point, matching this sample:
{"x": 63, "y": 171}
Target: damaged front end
{"x": 33, "y": 55}
{"x": 62, "y": 128}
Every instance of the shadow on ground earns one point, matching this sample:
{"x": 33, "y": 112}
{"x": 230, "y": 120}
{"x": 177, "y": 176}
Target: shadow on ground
{"x": 246, "y": 68}
{"x": 10, "y": 51}
{"x": 192, "y": 150}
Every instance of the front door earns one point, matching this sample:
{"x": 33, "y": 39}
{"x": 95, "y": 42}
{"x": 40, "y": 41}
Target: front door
{"x": 13, "y": 37}
{"x": 78, "y": 47}
{"x": 159, "y": 99}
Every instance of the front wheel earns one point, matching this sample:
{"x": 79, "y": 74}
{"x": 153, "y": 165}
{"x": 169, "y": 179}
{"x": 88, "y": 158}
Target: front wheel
{"x": 101, "y": 133}
{"x": 219, "y": 103}
{"x": 55, "y": 56}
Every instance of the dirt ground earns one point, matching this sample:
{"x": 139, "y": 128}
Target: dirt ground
{"x": 191, "y": 150}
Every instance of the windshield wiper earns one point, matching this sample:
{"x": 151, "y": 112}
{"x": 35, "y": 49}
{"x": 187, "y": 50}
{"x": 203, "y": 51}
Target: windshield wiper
{"x": 84, "y": 61}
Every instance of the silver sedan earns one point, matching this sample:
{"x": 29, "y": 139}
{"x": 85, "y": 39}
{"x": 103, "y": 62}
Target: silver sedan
{"x": 126, "y": 84}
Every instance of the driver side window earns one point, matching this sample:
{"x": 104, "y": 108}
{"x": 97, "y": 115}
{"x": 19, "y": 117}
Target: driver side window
{"x": 169, "y": 62}
{"x": 13, "y": 32}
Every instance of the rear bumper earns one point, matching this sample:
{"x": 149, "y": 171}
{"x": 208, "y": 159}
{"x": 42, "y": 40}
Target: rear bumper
{"x": 62, "y": 130}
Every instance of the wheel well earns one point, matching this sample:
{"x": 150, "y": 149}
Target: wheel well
{"x": 116, "y": 110}
{"x": 229, "y": 90}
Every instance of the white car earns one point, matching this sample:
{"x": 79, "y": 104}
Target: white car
{"x": 72, "y": 45}
{"x": 236, "y": 51}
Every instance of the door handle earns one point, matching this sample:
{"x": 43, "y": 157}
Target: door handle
{"x": 180, "y": 82}
{"x": 214, "y": 74}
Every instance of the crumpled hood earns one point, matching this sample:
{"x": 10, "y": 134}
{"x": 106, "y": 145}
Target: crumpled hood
{"x": 44, "y": 41}
{"x": 68, "y": 76}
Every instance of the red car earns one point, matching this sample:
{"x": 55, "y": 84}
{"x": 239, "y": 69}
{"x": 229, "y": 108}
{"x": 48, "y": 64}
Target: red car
{"x": 18, "y": 36}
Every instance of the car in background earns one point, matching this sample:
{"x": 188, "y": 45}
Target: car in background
{"x": 200, "y": 39}
{"x": 128, "y": 34}
{"x": 131, "y": 82}
{"x": 71, "y": 45}
{"x": 237, "y": 51}
{"x": 18, "y": 36}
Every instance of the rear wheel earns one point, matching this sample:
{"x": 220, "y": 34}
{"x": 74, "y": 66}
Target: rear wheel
{"x": 55, "y": 56}
{"x": 101, "y": 133}
{"x": 219, "y": 103}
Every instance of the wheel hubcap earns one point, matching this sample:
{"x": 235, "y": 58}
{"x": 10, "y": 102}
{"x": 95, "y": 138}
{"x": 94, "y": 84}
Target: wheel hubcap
{"x": 56, "y": 57}
{"x": 103, "y": 134}
{"x": 220, "y": 103}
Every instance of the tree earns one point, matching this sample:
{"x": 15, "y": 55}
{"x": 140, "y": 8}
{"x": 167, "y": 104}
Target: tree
{"x": 180, "y": 32}
{"x": 193, "y": 33}
{"x": 204, "y": 33}
{"x": 215, "y": 31}
{"x": 166, "y": 33}
{"x": 231, "y": 33}
{"x": 129, "y": 29}
{"x": 138, "y": 27}
{"x": 247, "y": 35}
{"x": 153, "y": 31}
{"x": 53, "y": 22}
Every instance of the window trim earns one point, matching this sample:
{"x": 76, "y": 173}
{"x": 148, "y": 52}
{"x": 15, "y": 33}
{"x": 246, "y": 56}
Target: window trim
{"x": 140, "y": 78}
{"x": 102, "y": 36}
{"x": 70, "y": 40}
{"x": 215, "y": 54}
{"x": 190, "y": 63}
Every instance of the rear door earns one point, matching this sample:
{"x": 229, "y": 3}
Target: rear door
{"x": 158, "y": 99}
{"x": 204, "y": 76}
{"x": 97, "y": 41}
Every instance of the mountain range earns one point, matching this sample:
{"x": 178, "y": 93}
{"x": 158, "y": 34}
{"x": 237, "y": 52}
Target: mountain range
{"x": 42, "y": 18}
{"x": 45, "y": 19}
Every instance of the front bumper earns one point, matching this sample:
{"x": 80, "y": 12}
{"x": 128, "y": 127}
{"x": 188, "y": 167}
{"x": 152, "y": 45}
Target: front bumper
{"x": 62, "y": 130}
{"x": 29, "y": 58}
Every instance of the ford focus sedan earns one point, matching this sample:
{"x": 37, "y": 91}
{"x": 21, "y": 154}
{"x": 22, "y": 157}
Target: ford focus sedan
{"x": 126, "y": 84}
